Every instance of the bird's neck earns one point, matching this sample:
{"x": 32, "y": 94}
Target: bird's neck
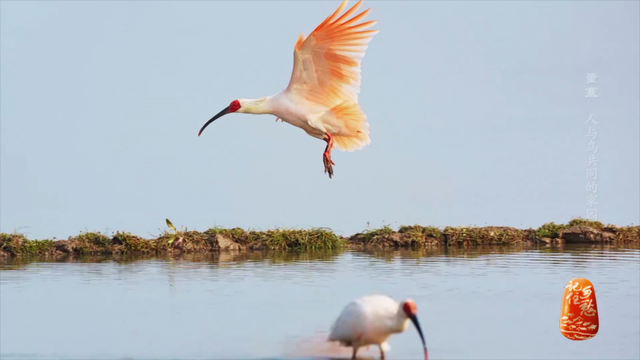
{"x": 401, "y": 321}
{"x": 262, "y": 105}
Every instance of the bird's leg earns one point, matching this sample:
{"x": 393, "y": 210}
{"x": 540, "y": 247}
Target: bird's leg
{"x": 277, "y": 118}
{"x": 381, "y": 353}
{"x": 326, "y": 156}
{"x": 355, "y": 351}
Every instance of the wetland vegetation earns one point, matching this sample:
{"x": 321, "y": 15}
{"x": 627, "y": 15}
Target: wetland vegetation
{"x": 174, "y": 241}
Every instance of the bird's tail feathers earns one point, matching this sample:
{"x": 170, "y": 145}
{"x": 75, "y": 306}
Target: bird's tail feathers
{"x": 353, "y": 133}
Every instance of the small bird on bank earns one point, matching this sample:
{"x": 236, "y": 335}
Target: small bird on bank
{"x": 322, "y": 95}
{"x": 371, "y": 320}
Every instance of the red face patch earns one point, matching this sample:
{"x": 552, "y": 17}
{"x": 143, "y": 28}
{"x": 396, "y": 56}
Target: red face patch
{"x": 234, "y": 106}
{"x": 410, "y": 308}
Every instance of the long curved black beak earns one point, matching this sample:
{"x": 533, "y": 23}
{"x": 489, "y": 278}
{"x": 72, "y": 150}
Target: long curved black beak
{"x": 415, "y": 321}
{"x": 220, "y": 114}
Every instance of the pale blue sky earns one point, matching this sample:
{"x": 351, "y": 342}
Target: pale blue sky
{"x": 477, "y": 113}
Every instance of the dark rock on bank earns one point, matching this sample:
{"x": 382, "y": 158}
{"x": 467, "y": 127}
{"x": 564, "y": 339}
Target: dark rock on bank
{"x": 585, "y": 234}
{"x": 64, "y": 246}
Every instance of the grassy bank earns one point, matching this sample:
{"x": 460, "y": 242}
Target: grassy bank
{"x": 219, "y": 239}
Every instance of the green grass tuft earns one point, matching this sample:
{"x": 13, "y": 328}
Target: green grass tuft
{"x": 130, "y": 243}
{"x": 591, "y": 223}
{"x": 375, "y": 235}
{"x": 18, "y": 245}
{"x": 90, "y": 243}
{"x": 488, "y": 235}
{"x": 234, "y": 234}
{"x": 627, "y": 234}
{"x": 282, "y": 239}
{"x": 550, "y": 230}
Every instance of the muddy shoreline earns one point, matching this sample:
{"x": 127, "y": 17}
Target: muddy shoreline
{"x": 174, "y": 242}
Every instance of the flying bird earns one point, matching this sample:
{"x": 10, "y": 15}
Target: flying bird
{"x": 371, "y": 320}
{"x": 322, "y": 95}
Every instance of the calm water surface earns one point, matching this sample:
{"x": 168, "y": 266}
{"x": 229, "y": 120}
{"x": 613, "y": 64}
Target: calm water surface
{"x": 490, "y": 304}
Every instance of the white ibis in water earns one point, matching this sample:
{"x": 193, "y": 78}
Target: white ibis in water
{"x": 371, "y": 320}
{"x": 322, "y": 95}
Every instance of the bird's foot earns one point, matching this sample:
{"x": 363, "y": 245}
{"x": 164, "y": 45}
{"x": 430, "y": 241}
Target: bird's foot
{"x": 328, "y": 163}
{"x": 326, "y": 156}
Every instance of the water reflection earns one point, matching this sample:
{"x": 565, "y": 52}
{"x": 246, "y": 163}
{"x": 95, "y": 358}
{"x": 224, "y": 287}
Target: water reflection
{"x": 580, "y": 252}
{"x": 222, "y": 259}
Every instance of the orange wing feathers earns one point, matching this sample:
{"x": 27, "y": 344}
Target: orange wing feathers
{"x": 326, "y": 68}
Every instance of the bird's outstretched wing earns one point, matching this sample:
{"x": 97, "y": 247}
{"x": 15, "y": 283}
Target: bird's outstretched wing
{"x": 326, "y": 65}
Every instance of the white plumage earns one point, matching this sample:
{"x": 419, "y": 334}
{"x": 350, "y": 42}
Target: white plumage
{"x": 371, "y": 320}
{"x": 322, "y": 95}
